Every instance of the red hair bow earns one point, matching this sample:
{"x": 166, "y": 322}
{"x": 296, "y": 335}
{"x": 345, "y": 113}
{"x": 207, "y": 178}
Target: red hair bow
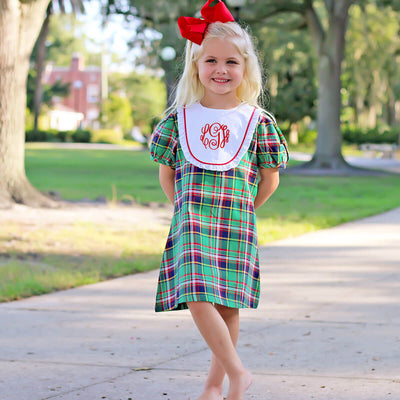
{"x": 195, "y": 28}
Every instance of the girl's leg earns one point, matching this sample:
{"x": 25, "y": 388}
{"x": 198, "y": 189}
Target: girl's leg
{"x": 214, "y": 384}
{"x": 216, "y": 333}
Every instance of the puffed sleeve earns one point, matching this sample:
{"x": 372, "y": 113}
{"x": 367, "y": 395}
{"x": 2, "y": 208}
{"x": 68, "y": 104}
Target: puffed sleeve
{"x": 164, "y": 141}
{"x": 272, "y": 148}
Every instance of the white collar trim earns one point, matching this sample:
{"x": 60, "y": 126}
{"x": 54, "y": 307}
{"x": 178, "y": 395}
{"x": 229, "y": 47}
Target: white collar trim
{"x": 214, "y": 139}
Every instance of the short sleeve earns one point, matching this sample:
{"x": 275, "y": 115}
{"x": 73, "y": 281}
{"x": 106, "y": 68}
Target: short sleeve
{"x": 272, "y": 148}
{"x": 164, "y": 141}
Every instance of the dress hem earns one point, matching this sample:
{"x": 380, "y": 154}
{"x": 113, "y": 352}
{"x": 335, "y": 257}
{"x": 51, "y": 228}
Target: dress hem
{"x": 182, "y": 304}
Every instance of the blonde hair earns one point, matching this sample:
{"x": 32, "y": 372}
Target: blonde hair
{"x": 190, "y": 90}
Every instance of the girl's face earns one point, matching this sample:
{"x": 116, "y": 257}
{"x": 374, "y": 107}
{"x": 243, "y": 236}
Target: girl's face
{"x": 221, "y": 68}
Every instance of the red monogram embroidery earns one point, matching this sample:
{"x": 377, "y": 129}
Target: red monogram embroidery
{"x": 214, "y": 136}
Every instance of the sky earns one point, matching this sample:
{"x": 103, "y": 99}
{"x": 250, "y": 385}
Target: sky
{"x": 116, "y": 34}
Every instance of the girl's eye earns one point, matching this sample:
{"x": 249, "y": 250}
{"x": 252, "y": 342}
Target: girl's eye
{"x": 210, "y": 60}
{"x": 232, "y": 62}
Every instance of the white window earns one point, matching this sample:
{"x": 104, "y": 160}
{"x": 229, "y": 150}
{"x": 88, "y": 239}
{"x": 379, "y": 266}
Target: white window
{"x": 92, "y": 114}
{"x": 93, "y": 93}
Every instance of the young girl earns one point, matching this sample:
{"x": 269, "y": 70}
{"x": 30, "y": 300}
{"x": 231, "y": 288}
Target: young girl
{"x": 219, "y": 154}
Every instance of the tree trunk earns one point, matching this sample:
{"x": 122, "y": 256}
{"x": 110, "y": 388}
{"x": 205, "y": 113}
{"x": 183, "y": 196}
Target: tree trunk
{"x": 330, "y": 48}
{"x": 41, "y": 57}
{"x": 20, "y": 23}
{"x": 328, "y": 152}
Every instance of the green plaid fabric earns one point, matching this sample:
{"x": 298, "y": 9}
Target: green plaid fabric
{"x": 212, "y": 250}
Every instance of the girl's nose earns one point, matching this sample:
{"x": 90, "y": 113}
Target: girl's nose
{"x": 221, "y": 69}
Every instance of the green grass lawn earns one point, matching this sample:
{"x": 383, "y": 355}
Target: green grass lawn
{"x": 80, "y": 174}
{"x": 35, "y": 261}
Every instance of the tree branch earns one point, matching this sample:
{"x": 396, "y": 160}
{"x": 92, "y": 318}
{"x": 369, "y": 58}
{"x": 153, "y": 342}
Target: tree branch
{"x": 148, "y": 17}
{"x": 342, "y": 7}
{"x": 329, "y": 4}
{"x": 314, "y": 24}
{"x": 265, "y": 12}
{"x": 293, "y": 26}
{"x": 288, "y": 7}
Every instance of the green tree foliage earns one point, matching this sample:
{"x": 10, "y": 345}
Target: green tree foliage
{"x": 146, "y": 94}
{"x": 393, "y": 4}
{"x": 289, "y": 65}
{"x": 49, "y": 91}
{"x": 116, "y": 113}
{"x": 372, "y": 70}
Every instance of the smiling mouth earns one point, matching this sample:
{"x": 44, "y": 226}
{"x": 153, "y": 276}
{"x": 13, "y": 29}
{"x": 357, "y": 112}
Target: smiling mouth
{"x": 221, "y": 80}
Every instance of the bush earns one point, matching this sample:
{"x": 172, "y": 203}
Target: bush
{"x": 359, "y": 136}
{"x": 39, "y": 135}
{"x": 36, "y": 136}
{"x": 307, "y": 137}
{"x": 106, "y": 136}
{"x": 81, "y": 136}
{"x": 53, "y": 135}
{"x": 64, "y": 136}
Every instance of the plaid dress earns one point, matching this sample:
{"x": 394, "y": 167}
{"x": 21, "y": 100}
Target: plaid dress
{"x": 211, "y": 252}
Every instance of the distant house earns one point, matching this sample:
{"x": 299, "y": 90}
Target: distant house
{"x": 64, "y": 118}
{"x": 85, "y": 94}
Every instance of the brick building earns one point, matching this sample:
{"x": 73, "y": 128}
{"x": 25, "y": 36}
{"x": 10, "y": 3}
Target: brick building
{"x": 84, "y": 100}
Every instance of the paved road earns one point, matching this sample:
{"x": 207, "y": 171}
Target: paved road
{"x": 328, "y": 327}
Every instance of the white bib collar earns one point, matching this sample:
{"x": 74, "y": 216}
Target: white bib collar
{"x": 216, "y": 139}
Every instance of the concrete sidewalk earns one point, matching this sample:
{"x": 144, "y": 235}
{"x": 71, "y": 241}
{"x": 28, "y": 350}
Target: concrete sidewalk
{"x": 328, "y": 327}
{"x": 385, "y": 164}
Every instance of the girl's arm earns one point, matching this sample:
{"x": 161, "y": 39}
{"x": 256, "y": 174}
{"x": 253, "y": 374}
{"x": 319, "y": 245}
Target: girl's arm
{"x": 269, "y": 181}
{"x": 167, "y": 181}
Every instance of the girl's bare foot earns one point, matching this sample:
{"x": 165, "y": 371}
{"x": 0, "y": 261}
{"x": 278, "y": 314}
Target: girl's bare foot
{"x": 239, "y": 386}
{"x": 211, "y": 393}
